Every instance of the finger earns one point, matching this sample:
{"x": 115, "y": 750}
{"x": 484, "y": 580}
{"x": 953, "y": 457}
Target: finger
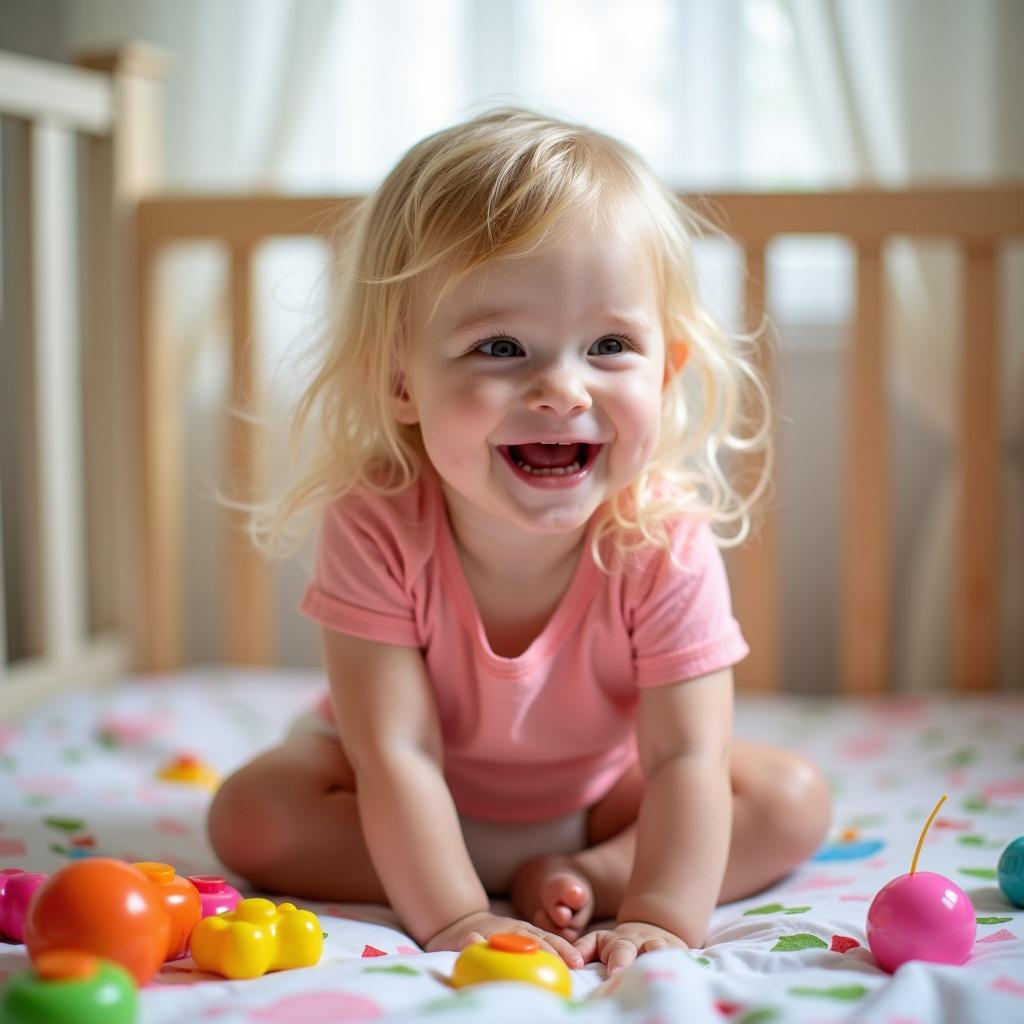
{"x": 567, "y": 932}
{"x": 561, "y": 948}
{"x": 651, "y": 945}
{"x": 587, "y": 945}
{"x": 618, "y": 955}
{"x": 469, "y": 939}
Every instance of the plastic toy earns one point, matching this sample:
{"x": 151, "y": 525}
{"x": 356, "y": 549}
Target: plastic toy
{"x": 257, "y": 937}
{"x": 17, "y": 887}
{"x": 1010, "y": 872}
{"x": 70, "y": 987}
{"x": 191, "y": 771}
{"x": 181, "y": 898}
{"x": 105, "y": 907}
{"x": 509, "y": 957}
{"x": 215, "y": 895}
{"x": 921, "y": 916}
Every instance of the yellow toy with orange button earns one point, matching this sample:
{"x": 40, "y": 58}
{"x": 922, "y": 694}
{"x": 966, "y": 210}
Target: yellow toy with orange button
{"x": 99, "y": 927}
{"x": 510, "y": 957}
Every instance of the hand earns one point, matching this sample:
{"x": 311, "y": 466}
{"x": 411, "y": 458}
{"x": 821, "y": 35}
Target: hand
{"x": 619, "y": 947}
{"x": 482, "y": 925}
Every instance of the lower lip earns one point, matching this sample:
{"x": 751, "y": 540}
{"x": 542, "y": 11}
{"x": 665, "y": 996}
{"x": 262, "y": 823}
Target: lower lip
{"x": 552, "y": 481}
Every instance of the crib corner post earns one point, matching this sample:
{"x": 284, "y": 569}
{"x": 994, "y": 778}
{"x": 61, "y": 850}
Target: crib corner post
{"x": 120, "y": 169}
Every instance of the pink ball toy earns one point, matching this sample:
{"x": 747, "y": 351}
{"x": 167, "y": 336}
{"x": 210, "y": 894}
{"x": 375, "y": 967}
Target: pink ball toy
{"x": 921, "y": 916}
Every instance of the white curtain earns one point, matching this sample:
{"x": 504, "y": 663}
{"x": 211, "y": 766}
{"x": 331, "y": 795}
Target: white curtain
{"x": 908, "y": 93}
{"x": 324, "y": 95}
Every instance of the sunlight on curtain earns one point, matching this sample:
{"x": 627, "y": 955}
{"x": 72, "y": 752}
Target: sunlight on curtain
{"x": 325, "y": 96}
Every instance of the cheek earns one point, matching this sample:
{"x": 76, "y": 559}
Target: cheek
{"x": 458, "y": 419}
{"x": 640, "y": 414}
{"x": 474, "y": 402}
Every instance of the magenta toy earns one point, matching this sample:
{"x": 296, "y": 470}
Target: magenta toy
{"x": 215, "y": 895}
{"x": 921, "y": 916}
{"x": 17, "y": 888}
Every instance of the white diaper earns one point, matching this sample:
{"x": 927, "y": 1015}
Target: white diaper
{"x": 496, "y": 848}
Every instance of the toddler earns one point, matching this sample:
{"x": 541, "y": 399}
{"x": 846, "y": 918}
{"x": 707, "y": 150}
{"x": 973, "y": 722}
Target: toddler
{"x": 523, "y": 418}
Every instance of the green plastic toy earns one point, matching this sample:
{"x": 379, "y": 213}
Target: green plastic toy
{"x": 68, "y": 986}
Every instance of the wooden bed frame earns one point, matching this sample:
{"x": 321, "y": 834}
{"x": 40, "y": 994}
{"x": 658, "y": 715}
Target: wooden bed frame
{"x": 109, "y": 599}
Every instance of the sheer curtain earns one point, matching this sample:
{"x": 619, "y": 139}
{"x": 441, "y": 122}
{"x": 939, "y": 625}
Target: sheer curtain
{"x": 325, "y": 95}
{"x": 910, "y": 93}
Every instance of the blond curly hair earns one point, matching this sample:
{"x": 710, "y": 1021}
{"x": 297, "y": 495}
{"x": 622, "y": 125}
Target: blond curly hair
{"x": 482, "y": 190}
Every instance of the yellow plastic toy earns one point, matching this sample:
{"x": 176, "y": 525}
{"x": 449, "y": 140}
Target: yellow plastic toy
{"x": 191, "y": 771}
{"x": 507, "y": 957}
{"x": 257, "y": 937}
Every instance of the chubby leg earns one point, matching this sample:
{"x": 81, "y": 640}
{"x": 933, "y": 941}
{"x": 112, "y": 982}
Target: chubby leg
{"x": 781, "y": 811}
{"x": 288, "y": 822}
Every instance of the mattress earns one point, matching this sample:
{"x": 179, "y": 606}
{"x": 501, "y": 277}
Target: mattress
{"x": 80, "y": 777}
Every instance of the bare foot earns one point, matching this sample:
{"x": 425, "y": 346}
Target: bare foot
{"x": 554, "y": 894}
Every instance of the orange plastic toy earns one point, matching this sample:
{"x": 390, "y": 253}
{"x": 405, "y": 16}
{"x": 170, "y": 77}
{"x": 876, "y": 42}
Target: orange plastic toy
{"x": 181, "y": 898}
{"x": 101, "y": 906}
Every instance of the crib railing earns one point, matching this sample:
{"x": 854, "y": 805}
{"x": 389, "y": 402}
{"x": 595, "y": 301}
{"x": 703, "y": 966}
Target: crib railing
{"x": 979, "y": 220}
{"x": 92, "y": 460}
{"x": 77, "y": 152}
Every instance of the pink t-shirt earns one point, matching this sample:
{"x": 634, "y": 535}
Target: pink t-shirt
{"x": 550, "y": 731}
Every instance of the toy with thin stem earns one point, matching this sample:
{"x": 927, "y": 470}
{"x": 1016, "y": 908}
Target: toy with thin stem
{"x": 924, "y": 831}
{"x": 921, "y": 916}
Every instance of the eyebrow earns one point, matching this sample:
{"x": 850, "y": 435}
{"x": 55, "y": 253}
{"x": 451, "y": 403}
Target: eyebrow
{"x": 477, "y": 318}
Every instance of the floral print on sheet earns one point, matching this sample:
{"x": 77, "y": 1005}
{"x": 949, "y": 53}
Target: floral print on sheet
{"x": 79, "y": 779}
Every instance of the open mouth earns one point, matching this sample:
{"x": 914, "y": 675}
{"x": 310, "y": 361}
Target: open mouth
{"x": 561, "y": 459}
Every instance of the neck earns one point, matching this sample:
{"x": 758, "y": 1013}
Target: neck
{"x": 493, "y": 547}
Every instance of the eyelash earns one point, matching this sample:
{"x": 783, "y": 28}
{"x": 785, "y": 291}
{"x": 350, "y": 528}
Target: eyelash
{"x": 626, "y": 340}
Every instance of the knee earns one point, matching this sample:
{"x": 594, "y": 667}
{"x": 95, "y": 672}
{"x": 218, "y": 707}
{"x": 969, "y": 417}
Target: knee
{"x": 800, "y": 806}
{"x": 246, "y": 827}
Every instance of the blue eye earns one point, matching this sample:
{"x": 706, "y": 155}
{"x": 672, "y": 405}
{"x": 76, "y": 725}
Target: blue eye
{"x": 500, "y": 348}
{"x": 604, "y": 349}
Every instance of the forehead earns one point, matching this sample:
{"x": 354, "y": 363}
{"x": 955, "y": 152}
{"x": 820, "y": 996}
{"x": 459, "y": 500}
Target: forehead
{"x": 579, "y": 265}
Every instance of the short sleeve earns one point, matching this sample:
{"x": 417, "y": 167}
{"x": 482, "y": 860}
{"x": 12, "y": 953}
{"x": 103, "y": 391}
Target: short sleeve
{"x": 361, "y": 581}
{"x": 681, "y": 618}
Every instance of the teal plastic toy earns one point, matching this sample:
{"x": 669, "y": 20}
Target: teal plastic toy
{"x": 68, "y": 986}
{"x": 1011, "y": 872}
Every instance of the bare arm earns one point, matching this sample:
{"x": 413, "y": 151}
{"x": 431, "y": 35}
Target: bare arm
{"x": 685, "y": 821}
{"x": 390, "y": 730}
{"x": 389, "y": 727}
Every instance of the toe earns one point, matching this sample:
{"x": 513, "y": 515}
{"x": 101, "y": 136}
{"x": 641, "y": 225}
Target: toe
{"x": 564, "y": 892}
{"x": 575, "y": 896}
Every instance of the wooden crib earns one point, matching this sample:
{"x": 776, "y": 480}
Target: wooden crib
{"x": 92, "y": 457}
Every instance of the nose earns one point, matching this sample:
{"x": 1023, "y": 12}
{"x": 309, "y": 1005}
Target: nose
{"x": 558, "y": 390}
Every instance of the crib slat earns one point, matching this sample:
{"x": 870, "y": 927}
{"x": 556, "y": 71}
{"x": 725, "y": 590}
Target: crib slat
{"x": 865, "y": 583}
{"x": 161, "y": 521}
{"x": 976, "y": 587}
{"x": 58, "y": 399}
{"x": 753, "y": 567}
{"x": 248, "y": 600}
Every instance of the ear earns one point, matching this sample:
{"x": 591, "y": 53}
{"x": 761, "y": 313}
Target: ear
{"x": 403, "y": 406}
{"x": 676, "y": 354}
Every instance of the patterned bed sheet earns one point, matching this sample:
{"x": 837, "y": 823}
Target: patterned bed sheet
{"x": 80, "y": 778}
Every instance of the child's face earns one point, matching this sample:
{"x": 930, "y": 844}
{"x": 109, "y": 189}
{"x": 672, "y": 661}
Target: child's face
{"x": 562, "y": 344}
